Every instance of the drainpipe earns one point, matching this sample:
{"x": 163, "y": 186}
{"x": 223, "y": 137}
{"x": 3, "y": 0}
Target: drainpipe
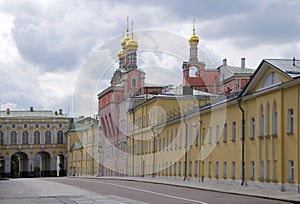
{"x": 154, "y": 150}
{"x": 243, "y": 141}
{"x": 133, "y": 128}
{"x": 186, "y": 150}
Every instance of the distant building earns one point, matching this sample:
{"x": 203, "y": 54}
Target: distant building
{"x": 83, "y": 147}
{"x": 33, "y": 143}
{"x": 222, "y": 80}
{"x": 127, "y": 85}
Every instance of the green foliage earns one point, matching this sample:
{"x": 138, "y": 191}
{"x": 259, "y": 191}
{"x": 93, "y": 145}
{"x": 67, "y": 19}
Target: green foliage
{"x": 14, "y": 166}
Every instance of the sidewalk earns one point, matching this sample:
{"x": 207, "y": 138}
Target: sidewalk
{"x": 233, "y": 189}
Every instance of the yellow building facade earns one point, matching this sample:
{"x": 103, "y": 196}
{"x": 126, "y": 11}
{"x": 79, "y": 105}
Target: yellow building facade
{"x": 33, "y": 143}
{"x": 83, "y": 142}
{"x": 208, "y": 143}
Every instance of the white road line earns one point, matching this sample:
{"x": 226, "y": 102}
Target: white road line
{"x": 146, "y": 191}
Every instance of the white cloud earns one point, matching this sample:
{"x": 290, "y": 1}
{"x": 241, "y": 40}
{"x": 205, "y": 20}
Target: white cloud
{"x": 45, "y": 43}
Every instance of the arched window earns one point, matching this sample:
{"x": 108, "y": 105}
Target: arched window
{"x": 25, "y": 137}
{"x": 261, "y": 121}
{"x": 47, "y": 137}
{"x": 193, "y": 71}
{"x": 13, "y": 138}
{"x": 270, "y": 80}
{"x": 36, "y": 135}
{"x": 60, "y": 137}
{"x": 274, "y": 119}
{"x": 1, "y": 138}
{"x": 267, "y": 119}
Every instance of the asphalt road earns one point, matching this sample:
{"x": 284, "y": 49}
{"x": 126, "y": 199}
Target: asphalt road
{"x": 155, "y": 193}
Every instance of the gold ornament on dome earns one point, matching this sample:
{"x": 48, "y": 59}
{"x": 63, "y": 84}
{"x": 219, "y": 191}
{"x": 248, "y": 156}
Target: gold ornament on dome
{"x": 194, "y": 39}
{"x": 126, "y": 38}
{"x": 132, "y": 44}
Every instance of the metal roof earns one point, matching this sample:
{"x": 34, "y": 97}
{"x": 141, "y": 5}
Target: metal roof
{"x": 288, "y": 66}
{"x": 38, "y": 114}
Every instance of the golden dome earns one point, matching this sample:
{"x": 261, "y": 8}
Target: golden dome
{"x": 194, "y": 39}
{"x": 120, "y": 54}
{"x": 126, "y": 38}
{"x": 124, "y": 41}
{"x": 132, "y": 45}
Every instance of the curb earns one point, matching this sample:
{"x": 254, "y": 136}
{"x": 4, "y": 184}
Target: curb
{"x": 192, "y": 187}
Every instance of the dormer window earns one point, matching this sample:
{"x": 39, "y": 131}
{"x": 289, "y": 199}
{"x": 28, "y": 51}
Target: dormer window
{"x": 270, "y": 80}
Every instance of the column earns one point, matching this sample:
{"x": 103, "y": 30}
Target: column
{"x": 7, "y": 167}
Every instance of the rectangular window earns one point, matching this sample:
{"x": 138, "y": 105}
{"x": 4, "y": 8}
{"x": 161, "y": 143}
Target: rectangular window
{"x": 233, "y": 134}
{"x": 175, "y": 168}
{"x": 274, "y": 123}
{"x": 25, "y": 125}
{"x": 171, "y": 140}
{"x": 171, "y": 169}
{"x": 209, "y": 135}
{"x": 180, "y": 138}
{"x": 290, "y": 121}
{"x": 217, "y": 134}
{"x": 290, "y": 170}
{"x": 251, "y": 169}
{"x": 261, "y": 170}
{"x": 209, "y": 169}
{"x": 133, "y": 82}
{"x": 268, "y": 169}
{"x": 225, "y": 133}
{"x": 13, "y": 126}
{"x": 196, "y": 168}
{"x": 166, "y": 170}
{"x": 261, "y": 125}
{"x": 274, "y": 169}
{"x": 179, "y": 168}
{"x": 217, "y": 170}
{"x": 233, "y": 169}
{"x": 167, "y": 141}
{"x": 197, "y": 138}
{"x": 191, "y": 137}
{"x": 190, "y": 168}
{"x": 252, "y": 127}
{"x": 224, "y": 169}
{"x": 203, "y": 136}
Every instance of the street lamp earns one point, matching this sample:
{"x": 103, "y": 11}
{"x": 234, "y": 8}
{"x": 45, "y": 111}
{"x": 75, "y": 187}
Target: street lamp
{"x": 153, "y": 167}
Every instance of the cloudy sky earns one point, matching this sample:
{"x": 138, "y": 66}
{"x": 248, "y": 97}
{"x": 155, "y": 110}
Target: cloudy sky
{"x": 46, "y": 47}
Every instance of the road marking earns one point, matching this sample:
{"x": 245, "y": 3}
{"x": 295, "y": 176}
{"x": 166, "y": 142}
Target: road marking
{"x": 146, "y": 191}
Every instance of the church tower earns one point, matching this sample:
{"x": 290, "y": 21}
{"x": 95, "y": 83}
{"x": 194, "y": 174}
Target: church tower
{"x": 131, "y": 52}
{"x": 195, "y": 75}
{"x": 194, "y": 40}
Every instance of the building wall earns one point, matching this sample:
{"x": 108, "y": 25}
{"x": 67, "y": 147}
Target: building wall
{"x": 214, "y": 155}
{"x": 83, "y": 160}
{"x": 27, "y": 151}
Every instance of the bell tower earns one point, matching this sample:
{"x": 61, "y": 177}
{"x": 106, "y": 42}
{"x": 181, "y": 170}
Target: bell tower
{"x": 194, "y": 40}
{"x": 192, "y": 78}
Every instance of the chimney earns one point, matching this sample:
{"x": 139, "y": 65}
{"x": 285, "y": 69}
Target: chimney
{"x": 7, "y": 111}
{"x": 224, "y": 62}
{"x": 31, "y": 109}
{"x": 243, "y": 62}
{"x": 60, "y": 111}
{"x": 294, "y": 61}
